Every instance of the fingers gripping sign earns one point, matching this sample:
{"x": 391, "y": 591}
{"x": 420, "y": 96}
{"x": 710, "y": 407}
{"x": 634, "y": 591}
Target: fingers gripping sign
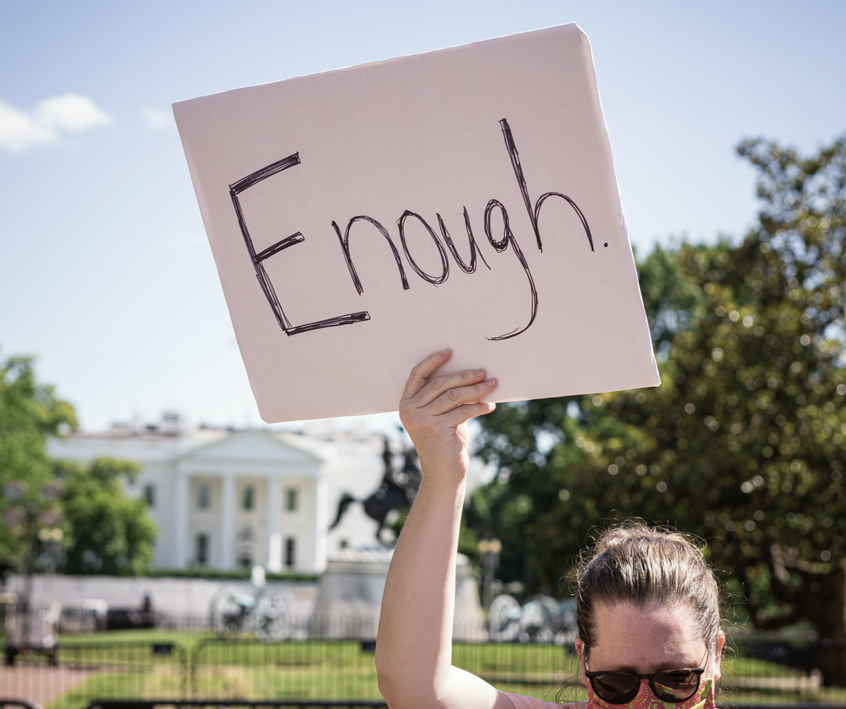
{"x": 435, "y": 411}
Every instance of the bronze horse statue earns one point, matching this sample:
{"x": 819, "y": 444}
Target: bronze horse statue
{"x": 396, "y": 491}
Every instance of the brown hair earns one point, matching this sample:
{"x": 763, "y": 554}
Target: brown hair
{"x": 633, "y": 563}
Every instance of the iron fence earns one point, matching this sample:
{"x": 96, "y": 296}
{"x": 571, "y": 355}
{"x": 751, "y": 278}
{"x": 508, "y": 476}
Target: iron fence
{"x": 182, "y": 663}
{"x": 301, "y": 704}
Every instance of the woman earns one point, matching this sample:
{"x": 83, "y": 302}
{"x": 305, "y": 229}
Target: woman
{"x": 647, "y": 605}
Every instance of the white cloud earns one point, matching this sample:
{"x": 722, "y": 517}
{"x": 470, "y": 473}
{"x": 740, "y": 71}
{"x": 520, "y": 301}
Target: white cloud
{"x": 155, "y": 118}
{"x": 18, "y": 131}
{"x": 70, "y": 112}
{"x": 21, "y": 130}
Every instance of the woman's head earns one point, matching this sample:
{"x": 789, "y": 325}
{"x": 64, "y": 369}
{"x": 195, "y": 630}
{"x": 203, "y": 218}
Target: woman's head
{"x": 646, "y": 600}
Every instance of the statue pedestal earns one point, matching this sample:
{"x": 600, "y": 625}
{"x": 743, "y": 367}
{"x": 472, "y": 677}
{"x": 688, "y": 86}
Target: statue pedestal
{"x": 351, "y": 590}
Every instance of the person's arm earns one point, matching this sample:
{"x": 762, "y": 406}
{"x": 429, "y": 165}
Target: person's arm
{"x": 414, "y": 644}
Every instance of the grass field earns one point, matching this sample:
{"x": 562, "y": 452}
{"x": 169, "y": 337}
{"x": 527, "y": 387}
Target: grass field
{"x": 179, "y": 664}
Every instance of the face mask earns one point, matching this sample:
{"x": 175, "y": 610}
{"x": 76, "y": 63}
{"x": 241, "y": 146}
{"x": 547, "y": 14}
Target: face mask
{"x": 645, "y": 699}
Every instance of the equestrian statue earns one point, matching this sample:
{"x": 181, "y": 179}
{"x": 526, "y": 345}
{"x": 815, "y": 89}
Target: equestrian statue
{"x": 396, "y": 491}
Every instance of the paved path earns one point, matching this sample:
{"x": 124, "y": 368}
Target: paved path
{"x": 39, "y": 683}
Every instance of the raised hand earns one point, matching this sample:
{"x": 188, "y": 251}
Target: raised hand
{"x": 435, "y": 411}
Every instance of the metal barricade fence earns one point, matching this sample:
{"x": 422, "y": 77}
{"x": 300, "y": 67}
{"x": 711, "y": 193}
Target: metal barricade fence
{"x": 75, "y": 673}
{"x": 196, "y": 703}
{"x": 328, "y": 669}
{"x": 188, "y": 665}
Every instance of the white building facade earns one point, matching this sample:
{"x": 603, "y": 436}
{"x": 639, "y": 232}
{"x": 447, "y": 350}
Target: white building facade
{"x": 230, "y": 499}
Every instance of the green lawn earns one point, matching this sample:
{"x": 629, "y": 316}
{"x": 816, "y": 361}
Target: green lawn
{"x": 202, "y": 666}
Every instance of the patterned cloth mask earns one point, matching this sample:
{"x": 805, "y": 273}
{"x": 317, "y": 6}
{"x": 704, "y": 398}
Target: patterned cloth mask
{"x": 645, "y": 699}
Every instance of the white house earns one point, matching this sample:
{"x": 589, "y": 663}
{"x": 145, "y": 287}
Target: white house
{"x": 228, "y": 499}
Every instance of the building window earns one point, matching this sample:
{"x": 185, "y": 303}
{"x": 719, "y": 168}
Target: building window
{"x": 204, "y": 496}
{"x": 291, "y": 499}
{"x": 202, "y": 551}
{"x": 290, "y": 553}
{"x": 244, "y": 547}
{"x": 150, "y": 495}
{"x": 248, "y": 499}
{"x": 343, "y": 544}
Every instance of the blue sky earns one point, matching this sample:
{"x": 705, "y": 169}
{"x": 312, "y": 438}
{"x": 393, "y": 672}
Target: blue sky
{"x": 105, "y": 273}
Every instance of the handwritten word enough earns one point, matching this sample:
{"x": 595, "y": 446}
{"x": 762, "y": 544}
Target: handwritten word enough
{"x": 499, "y": 245}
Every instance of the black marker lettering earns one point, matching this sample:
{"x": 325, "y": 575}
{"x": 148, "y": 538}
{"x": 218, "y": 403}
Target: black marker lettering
{"x": 258, "y": 259}
{"x": 502, "y": 245}
{"x": 345, "y": 245}
{"x": 499, "y": 245}
{"x": 434, "y": 280}
{"x": 471, "y": 268}
{"x": 534, "y": 212}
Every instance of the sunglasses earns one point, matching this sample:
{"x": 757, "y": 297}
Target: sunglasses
{"x": 672, "y": 686}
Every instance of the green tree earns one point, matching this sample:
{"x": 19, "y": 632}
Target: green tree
{"x": 29, "y": 412}
{"x": 742, "y": 443}
{"x": 106, "y": 532}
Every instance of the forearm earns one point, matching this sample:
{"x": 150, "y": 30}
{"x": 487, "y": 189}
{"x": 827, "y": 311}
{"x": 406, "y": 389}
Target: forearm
{"x": 414, "y": 647}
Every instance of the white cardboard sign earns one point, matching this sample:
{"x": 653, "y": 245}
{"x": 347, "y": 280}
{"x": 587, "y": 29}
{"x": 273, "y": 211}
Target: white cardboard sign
{"x": 466, "y": 198}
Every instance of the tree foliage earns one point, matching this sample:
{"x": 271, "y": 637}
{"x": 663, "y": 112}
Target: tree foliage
{"x": 742, "y": 443}
{"x": 106, "y": 532}
{"x": 29, "y": 411}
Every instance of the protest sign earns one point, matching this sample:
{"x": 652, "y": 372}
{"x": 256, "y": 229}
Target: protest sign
{"x": 465, "y": 198}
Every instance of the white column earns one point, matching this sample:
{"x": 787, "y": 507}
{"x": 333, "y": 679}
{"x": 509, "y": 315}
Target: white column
{"x": 274, "y": 538}
{"x": 321, "y": 526}
{"x": 227, "y": 522}
{"x": 180, "y": 519}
